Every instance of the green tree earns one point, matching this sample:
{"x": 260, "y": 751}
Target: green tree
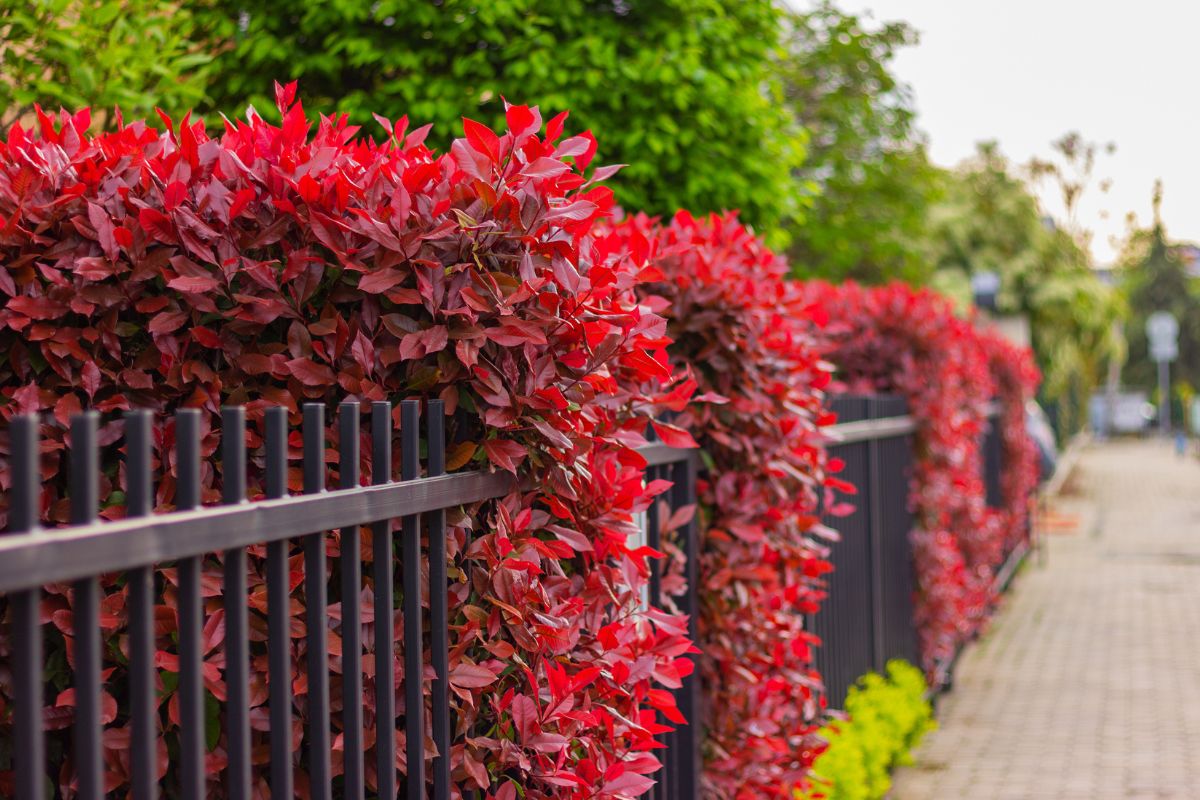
{"x": 988, "y": 221}
{"x": 1155, "y": 278}
{"x": 867, "y": 168}
{"x": 680, "y": 90}
{"x": 132, "y": 54}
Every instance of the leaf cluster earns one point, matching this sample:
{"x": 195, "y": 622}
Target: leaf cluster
{"x": 886, "y": 718}
{"x": 161, "y": 268}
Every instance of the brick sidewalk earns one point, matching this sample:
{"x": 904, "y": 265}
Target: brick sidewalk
{"x": 1087, "y": 686}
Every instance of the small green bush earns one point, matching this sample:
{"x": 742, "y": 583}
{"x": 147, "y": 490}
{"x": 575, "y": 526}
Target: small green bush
{"x": 888, "y": 717}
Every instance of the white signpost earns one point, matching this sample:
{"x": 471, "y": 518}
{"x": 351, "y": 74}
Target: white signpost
{"x": 1162, "y": 331}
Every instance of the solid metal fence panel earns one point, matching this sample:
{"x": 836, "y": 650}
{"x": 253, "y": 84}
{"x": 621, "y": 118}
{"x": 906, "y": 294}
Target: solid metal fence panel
{"x": 866, "y": 618}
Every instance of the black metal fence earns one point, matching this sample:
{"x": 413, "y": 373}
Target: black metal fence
{"x": 133, "y": 547}
{"x": 866, "y": 620}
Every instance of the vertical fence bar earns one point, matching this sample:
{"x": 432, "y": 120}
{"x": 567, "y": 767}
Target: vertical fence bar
{"x": 279, "y": 634}
{"x": 237, "y": 623}
{"x": 85, "y": 499}
{"x": 875, "y": 521}
{"x": 191, "y": 611}
{"x": 315, "y": 598}
{"x": 654, "y": 541}
{"x": 30, "y": 743}
{"x": 385, "y": 634}
{"x": 439, "y": 640}
{"x": 414, "y": 704}
{"x": 687, "y": 736}
{"x": 139, "y": 502}
{"x": 351, "y": 565}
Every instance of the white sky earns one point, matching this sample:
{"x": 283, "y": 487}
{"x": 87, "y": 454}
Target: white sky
{"x": 1024, "y": 72}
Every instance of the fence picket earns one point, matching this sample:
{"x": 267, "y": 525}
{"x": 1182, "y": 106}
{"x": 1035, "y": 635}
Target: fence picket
{"x": 410, "y": 576}
{"x": 315, "y": 610}
{"x": 279, "y": 616}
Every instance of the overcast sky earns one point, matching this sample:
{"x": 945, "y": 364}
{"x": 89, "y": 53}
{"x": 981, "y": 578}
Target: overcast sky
{"x": 1024, "y": 72}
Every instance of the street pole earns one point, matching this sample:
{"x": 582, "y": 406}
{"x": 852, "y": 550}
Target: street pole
{"x": 1164, "y": 397}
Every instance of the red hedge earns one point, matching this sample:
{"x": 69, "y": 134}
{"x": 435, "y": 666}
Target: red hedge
{"x": 743, "y": 335}
{"x": 908, "y": 341}
{"x": 163, "y": 268}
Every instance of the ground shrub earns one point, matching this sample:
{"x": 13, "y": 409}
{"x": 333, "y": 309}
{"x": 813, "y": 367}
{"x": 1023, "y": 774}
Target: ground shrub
{"x": 886, "y": 717}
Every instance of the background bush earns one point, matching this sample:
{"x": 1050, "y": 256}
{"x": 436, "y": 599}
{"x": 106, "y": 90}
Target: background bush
{"x": 131, "y": 54}
{"x": 680, "y": 90}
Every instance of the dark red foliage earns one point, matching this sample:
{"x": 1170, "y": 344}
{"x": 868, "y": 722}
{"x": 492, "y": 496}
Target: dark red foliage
{"x": 898, "y": 339}
{"x": 1016, "y": 377}
{"x": 744, "y": 335}
{"x": 275, "y": 264}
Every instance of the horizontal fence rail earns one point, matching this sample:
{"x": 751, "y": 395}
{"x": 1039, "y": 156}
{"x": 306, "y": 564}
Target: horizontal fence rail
{"x": 867, "y": 617}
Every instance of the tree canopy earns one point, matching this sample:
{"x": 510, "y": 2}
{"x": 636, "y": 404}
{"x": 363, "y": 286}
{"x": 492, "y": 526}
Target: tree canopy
{"x": 988, "y": 221}
{"x": 867, "y": 170}
{"x": 682, "y": 91}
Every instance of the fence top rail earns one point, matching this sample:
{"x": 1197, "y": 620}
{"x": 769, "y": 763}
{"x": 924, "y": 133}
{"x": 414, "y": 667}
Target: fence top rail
{"x": 868, "y": 429}
{"x": 58, "y": 555}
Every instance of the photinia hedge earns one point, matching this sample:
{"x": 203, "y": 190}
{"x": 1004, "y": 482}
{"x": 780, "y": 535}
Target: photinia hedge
{"x": 162, "y": 268}
{"x": 898, "y": 339}
{"x": 743, "y": 334}
{"x": 1016, "y": 378}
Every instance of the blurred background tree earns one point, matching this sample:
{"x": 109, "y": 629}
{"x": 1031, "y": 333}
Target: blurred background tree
{"x": 683, "y": 91}
{"x": 131, "y": 54}
{"x": 989, "y": 221}
{"x": 1155, "y": 276}
{"x": 870, "y": 180}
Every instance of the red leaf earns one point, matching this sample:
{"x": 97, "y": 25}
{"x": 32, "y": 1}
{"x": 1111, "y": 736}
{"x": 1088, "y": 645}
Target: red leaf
{"x": 193, "y": 284}
{"x": 673, "y": 436}
{"x": 505, "y": 453}
{"x": 545, "y": 168}
{"x": 471, "y": 676}
{"x": 379, "y": 281}
{"x": 310, "y": 373}
{"x": 482, "y": 139}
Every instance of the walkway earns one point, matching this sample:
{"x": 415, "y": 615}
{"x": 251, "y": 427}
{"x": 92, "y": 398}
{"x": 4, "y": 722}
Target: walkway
{"x": 1087, "y": 687}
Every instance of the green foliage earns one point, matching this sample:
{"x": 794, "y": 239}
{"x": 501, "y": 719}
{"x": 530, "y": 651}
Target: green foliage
{"x": 131, "y": 54}
{"x": 680, "y": 90}
{"x": 988, "y": 221}
{"x": 867, "y": 164}
{"x": 888, "y": 717}
{"x": 1155, "y": 278}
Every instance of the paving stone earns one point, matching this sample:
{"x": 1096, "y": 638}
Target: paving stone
{"x": 1087, "y": 684}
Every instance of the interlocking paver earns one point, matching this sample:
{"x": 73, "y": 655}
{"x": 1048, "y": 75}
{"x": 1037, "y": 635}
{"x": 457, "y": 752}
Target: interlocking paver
{"x": 1088, "y": 684}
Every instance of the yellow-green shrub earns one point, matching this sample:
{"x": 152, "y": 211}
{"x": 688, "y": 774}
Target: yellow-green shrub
{"x": 887, "y": 718}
